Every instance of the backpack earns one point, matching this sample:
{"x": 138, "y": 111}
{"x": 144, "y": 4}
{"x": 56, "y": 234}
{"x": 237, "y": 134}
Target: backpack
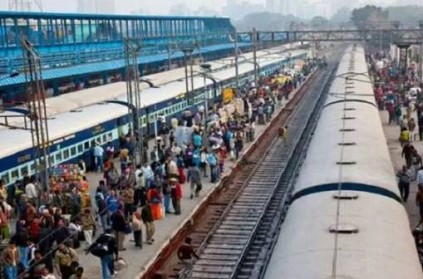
{"x": 99, "y": 249}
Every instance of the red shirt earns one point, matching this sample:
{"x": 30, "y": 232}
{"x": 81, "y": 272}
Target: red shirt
{"x": 177, "y": 190}
{"x": 34, "y": 229}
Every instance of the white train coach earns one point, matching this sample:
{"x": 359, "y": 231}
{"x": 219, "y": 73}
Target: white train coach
{"x": 346, "y": 218}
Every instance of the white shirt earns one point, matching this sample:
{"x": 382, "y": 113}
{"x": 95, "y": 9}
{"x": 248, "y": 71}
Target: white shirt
{"x": 420, "y": 177}
{"x": 14, "y": 257}
{"x": 74, "y": 228}
{"x": 49, "y": 276}
{"x": 172, "y": 168}
{"x": 176, "y": 150}
{"x": 148, "y": 172}
{"x": 31, "y": 191}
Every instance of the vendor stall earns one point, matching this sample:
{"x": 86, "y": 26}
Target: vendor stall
{"x": 68, "y": 180}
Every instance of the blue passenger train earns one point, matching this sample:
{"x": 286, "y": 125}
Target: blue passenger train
{"x": 74, "y": 133}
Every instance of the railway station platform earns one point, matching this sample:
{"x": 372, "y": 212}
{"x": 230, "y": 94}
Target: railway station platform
{"x": 140, "y": 259}
{"x": 395, "y": 150}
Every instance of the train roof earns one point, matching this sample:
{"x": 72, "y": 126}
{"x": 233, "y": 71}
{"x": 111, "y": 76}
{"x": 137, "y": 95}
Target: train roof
{"x": 382, "y": 247}
{"x": 177, "y": 88}
{"x": 349, "y": 140}
{"x": 85, "y": 97}
{"x": 352, "y": 81}
{"x": 68, "y": 123}
{"x": 350, "y": 150}
{"x": 346, "y": 218}
{"x": 60, "y": 126}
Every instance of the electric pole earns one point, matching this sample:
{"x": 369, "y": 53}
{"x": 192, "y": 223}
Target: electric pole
{"x": 254, "y": 37}
{"x": 132, "y": 52}
{"x": 236, "y": 61}
{"x": 37, "y": 112}
{"x": 188, "y": 53}
{"x": 421, "y": 53}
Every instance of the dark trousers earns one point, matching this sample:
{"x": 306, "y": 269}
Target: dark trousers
{"x": 176, "y": 205}
{"x": 128, "y": 209}
{"x": 408, "y": 161}
{"x": 213, "y": 174}
{"x": 66, "y": 271}
{"x": 138, "y": 238}
{"x": 404, "y": 190}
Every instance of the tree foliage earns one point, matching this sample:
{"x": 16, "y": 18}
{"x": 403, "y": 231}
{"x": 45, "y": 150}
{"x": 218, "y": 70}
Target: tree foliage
{"x": 319, "y": 22}
{"x": 408, "y": 16}
{"x": 342, "y": 15}
{"x": 369, "y": 16}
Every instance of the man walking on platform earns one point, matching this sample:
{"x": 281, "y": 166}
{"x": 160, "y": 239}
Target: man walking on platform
{"x": 148, "y": 221}
{"x": 98, "y": 157}
{"x": 404, "y": 177}
{"x": 105, "y": 247}
{"x": 194, "y": 176}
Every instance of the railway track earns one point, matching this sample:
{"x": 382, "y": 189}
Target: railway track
{"x": 234, "y": 229}
{"x": 237, "y": 246}
{"x": 257, "y": 254}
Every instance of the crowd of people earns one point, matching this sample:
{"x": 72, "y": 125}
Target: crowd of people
{"x": 399, "y": 93}
{"x": 42, "y": 229}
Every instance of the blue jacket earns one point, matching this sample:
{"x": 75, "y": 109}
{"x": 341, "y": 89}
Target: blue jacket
{"x": 212, "y": 160}
{"x": 197, "y": 140}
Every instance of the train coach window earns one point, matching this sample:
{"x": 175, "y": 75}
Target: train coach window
{"x": 5, "y": 178}
{"x": 110, "y": 136}
{"x": 65, "y": 154}
{"x": 24, "y": 170}
{"x": 73, "y": 151}
{"x": 33, "y": 167}
{"x": 14, "y": 174}
{"x": 104, "y": 138}
{"x": 59, "y": 157}
{"x": 92, "y": 143}
{"x": 80, "y": 148}
{"x": 86, "y": 145}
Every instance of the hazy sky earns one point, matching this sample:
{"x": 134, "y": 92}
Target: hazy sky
{"x": 126, "y": 6}
{"x": 162, "y": 6}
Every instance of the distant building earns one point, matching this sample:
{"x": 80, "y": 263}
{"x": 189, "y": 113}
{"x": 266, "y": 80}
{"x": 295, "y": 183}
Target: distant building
{"x": 96, "y": 6}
